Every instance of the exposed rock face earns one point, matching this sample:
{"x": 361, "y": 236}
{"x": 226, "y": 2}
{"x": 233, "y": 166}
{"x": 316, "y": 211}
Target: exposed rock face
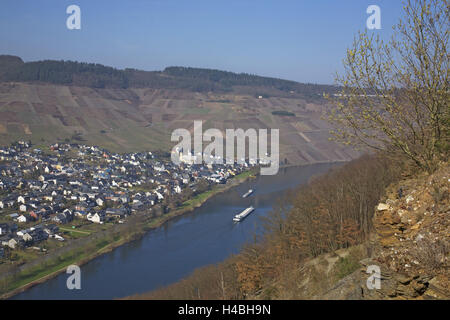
{"x": 412, "y": 244}
{"x": 383, "y": 206}
{"x": 387, "y": 222}
{"x": 392, "y": 285}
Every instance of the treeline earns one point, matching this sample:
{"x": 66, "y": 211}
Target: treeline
{"x": 332, "y": 211}
{"x": 195, "y": 79}
{"x": 8, "y": 62}
{"x": 283, "y": 113}
{"x": 226, "y": 79}
{"x": 65, "y": 72}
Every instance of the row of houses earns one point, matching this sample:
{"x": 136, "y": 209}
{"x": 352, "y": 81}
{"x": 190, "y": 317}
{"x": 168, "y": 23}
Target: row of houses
{"x": 74, "y": 181}
{"x": 12, "y": 237}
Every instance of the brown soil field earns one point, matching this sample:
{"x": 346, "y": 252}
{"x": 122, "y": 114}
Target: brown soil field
{"x": 125, "y": 120}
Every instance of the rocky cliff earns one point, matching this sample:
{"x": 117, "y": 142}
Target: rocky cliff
{"x": 411, "y": 245}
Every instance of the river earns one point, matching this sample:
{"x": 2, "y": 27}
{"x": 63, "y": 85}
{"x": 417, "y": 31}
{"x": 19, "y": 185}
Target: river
{"x": 165, "y": 255}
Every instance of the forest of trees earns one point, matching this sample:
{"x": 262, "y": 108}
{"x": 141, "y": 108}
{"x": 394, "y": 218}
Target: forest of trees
{"x": 100, "y": 76}
{"x": 63, "y": 72}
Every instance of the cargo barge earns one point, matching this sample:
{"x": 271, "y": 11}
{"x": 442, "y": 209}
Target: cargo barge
{"x": 249, "y": 192}
{"x": 239, "y": 217}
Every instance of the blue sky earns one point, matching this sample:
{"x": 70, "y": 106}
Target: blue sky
{"x": 302, "y": 40}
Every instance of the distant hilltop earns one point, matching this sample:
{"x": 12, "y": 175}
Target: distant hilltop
{"x": 93, "y": 75}
{"x": 132, "y": 110}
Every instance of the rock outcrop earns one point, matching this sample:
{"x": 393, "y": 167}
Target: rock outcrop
{"x": 411, "y": 245}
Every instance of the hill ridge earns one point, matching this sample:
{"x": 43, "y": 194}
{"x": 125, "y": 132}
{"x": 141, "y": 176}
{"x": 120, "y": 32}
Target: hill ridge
{"x": 95, "y": 75}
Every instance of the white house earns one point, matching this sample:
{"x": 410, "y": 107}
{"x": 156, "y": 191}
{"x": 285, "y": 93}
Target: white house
{"x": 22, "y": 219}
{"x": 80, "y": 214}
{"x": 27, "y": 237}
{"x": 12, "y": 243}
{"x": 58, "y": 237}
{"x": 23, "y": 208}
{"x": 20, "y": 233}
{"x": 94, "y": 218}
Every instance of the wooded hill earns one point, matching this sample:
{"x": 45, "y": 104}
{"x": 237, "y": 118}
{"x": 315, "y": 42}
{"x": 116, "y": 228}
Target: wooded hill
{"x": 95, "y": 75}
{"x": 133, "y": 110}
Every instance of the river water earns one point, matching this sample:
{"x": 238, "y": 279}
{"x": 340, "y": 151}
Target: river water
{"x": 165, "y": 255}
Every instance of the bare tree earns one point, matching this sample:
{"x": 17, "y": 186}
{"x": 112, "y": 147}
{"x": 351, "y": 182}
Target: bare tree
{"x": 395, "y": 95}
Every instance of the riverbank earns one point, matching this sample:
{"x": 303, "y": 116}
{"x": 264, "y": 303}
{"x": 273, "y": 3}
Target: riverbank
{"x": 101, "y": 245}
{"x": 276, "y": 264}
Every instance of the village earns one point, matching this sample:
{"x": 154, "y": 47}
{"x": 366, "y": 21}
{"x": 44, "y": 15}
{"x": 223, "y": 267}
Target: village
{"x": 45, "y": 193}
